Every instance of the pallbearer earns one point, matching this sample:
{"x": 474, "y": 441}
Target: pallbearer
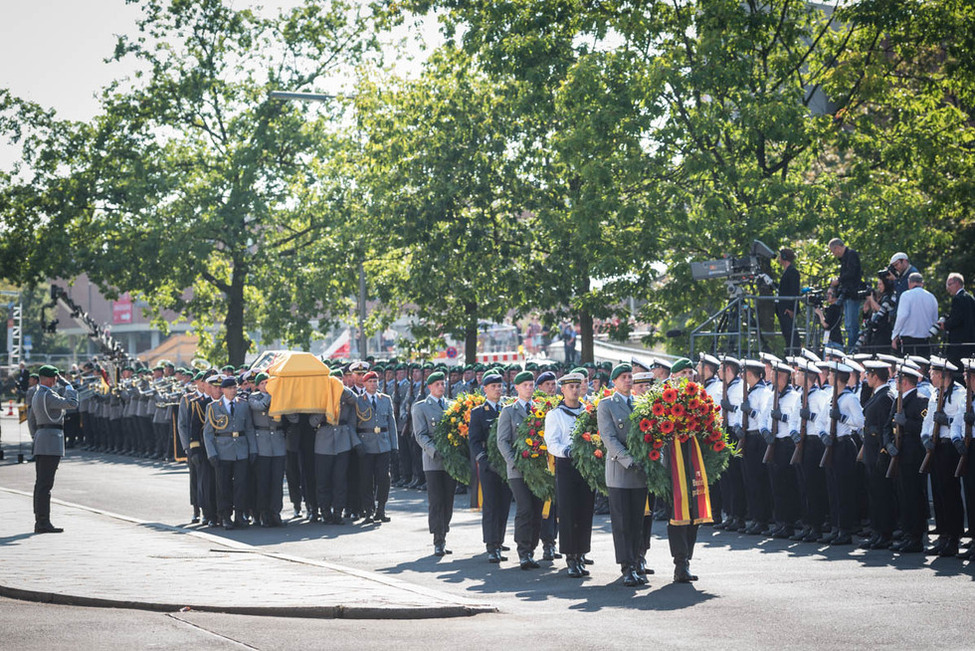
{"x": 496, "y": 494}
{"x": 625, "y": 479}
{"x": 440, "y": 485}
{"x": 271, "y": 455}
{"x": 574, "y": 496}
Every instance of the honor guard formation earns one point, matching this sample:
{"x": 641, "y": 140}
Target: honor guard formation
{"x": 841, "y": 451}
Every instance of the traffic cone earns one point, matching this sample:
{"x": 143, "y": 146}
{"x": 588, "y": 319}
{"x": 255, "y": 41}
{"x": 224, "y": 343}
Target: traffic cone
{"x": 10, "y": 409}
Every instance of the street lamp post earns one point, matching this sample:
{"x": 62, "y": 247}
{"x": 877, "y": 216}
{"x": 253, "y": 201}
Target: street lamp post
{"x": 282, "y": 95}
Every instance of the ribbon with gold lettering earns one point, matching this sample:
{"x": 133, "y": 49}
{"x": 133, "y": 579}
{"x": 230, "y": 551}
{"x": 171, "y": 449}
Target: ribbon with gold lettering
{"x": 689, "y": 481}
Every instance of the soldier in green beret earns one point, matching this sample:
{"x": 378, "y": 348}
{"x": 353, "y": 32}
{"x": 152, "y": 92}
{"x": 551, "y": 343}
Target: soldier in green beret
{"x": 49, "y": 404}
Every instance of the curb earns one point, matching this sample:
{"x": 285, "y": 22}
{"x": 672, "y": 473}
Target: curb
{"x": 450, "y": 609}
{"x": 318, "y": 612}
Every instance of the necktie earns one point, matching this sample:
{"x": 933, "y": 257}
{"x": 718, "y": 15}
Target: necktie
{"x": 629, "y": 402}
{"x": 231, "y": 409}
{"x": 442, "y": 405}
{"x": 374, "y": 403}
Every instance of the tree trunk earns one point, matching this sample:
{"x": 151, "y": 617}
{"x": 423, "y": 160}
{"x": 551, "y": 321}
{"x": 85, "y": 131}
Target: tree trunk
{"x": 586, "y": 336}
{"x": 236, "y": 338}
{"x": 470, "y": 334}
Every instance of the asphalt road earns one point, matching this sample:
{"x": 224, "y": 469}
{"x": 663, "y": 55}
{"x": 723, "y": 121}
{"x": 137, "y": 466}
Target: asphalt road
{"x": 752, "y": 593}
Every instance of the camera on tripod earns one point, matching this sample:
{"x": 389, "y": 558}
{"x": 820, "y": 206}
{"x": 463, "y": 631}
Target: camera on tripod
{"x": 735, "y": 269}
{"x": 815, "y": 297}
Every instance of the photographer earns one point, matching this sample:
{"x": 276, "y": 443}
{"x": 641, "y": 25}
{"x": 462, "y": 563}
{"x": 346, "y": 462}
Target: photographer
{"x": 902, "y": 268}
{"x": 881, "y": 307}
{"x": 848, "y": 285}
{"x": 917, "y": 319}
{"x": 830, "y": 320}
{"x": 786, "y": 309}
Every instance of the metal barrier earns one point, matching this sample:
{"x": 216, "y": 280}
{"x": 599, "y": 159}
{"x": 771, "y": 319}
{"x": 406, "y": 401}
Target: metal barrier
{"x": 736, "y": 329}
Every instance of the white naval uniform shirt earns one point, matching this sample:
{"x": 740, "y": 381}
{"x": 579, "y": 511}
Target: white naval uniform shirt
{"x": 735, "y": 388}
{"x": 849, "y": 406}
{"x": 558, "y": 430}
{"x": 954, "y": 408}
{"x": 789, "y": 405}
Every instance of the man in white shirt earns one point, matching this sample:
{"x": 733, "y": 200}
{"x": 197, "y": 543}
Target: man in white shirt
{"x": 917, "y": 314}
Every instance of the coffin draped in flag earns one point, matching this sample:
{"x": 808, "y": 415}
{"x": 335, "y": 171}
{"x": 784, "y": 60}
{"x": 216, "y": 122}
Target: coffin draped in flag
{"x": 301, "y": 384}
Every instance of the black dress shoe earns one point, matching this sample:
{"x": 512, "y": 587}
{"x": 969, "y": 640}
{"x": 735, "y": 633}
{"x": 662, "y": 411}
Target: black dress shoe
{"x": 505, "y": 548}
{"x": 195, "y": 519}
{"x": 812, "y": 537}
{"x": 682, "y": 573}
{"x": 438, "y": 550}
{"x": 868, "y": 544}
{"x": 784, "y": 533}
{"x": 842, "y": 538}
{"x": 528, "y": 563}
{"x": 911, "y": 546}
{"x": 938, "y": 547}
{"x": 950, "y": 549}
{"x": 382, "y": 517}
{"x": 494, "y": 556}
{"x": 314, "y": 517}
{"x": 827, "y": 538}
{"x": 882, "y": 542}
{"x": 46, "y": 527}
{"x": 574, "y": 568}
{"x": 630, "y": 578}
{"x": 586, "y": 561}
{"x": 549, "y": 553}
{"x": 228, "y": 524}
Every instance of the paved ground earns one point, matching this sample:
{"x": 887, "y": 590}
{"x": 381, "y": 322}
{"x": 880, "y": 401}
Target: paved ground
{"x": 752, "y": 593}
{"x": 160, "y": 567}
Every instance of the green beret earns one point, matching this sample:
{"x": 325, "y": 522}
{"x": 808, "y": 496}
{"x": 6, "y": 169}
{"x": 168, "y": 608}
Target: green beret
{"x": 589, "y": 365}
{"x": 128, "y": 368}
{"x": 260, "y": 377}
{"x": 515, "y": 367}
{"x": 157, "y": 367}
{"x": 228, "y": 367}
{"x": 34, "y": 376}
{"x": 524, "y": 376}
{"x": 199, "y": 376}
{"x": 435, "y": 377}
{"x": 169, "y": 365}
{"x": 619, "y": 369}
{"x": 606, "y": 366}
{"x": 531, "y": 366}
{"x": 479, "y": 368}
{"x": 337, "y": 372}
{"x": 48, "y": 371}
{"x": 580, "y": 370}
{"x": 681, "y": 364}
{"x": 603, "y": 378}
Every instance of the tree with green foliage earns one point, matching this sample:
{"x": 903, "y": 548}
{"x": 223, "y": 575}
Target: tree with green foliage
{"x": 441, "y": 179}
{"x": 197, "y": 190}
